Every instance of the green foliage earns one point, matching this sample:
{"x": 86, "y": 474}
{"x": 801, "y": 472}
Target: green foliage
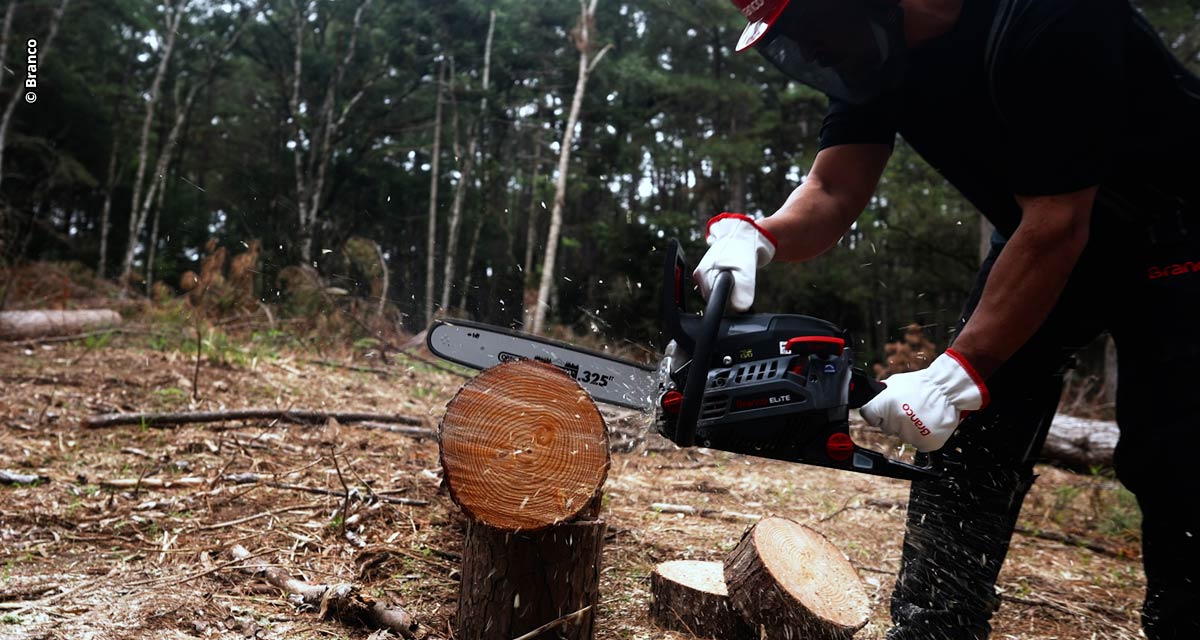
{"x": 675, "y": 128}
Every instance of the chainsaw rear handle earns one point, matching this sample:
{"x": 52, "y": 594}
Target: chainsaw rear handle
{"x": 693, "y": 388}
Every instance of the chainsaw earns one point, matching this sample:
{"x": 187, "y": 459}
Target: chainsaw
{"x": 775, "y": 386}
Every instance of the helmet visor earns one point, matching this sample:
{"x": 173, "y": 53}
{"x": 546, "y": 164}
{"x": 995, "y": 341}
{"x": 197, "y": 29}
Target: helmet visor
{"x": 848, "y": 49}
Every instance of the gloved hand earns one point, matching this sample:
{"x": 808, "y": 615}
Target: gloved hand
{"x": 738, "y": 244}
{"x": 923, "y": 408}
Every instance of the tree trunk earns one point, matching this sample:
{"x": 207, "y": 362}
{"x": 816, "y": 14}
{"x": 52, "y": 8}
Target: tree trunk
{"x": 137, "y": 211}
{"x": 468, "y": 166}
{"x": 531, "y": 234}
{"x": 470, "y": 264}
{"x": 431, "y": 237}
{"x": 43, "y": 51}
{"x": 985, "y": 237}
{"x": 310, "y": 179}
{"x": 690, "y": 596}
{"x": 110, "y": 183}
{"x": 1110, "y": 371}
{"x": 787, "y": 581}
{"x": 19, "y": 325}
{"x": 514, "y": 431}
{"x": 514, "y": 583}
{"x": 583, "y": 42}
{"x": 385, "y": 276}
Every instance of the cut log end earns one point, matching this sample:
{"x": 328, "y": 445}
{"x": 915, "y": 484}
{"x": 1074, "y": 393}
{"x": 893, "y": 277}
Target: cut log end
{"x": 690, "y": 596}
{"x": 523, "y": 447}
{"x": 790, "y": 581}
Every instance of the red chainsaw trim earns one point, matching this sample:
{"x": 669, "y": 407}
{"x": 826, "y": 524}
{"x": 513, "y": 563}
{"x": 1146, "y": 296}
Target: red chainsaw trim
{"x": 830, "y": 340}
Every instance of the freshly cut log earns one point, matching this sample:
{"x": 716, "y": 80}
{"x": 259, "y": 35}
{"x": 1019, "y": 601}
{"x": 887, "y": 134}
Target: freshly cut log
{"x": 515, "y": 583}
{"x": 690, "y": 596}
{"x": 17, "y": 325}
{"x": 788, "y": 581}
{"x": 523, "y": 447}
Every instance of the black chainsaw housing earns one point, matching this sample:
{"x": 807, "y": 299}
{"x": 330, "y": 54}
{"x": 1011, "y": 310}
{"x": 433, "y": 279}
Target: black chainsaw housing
{"x": 771, "y": 385}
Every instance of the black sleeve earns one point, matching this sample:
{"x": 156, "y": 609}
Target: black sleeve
{"x": 872, "y": 123}
{"x": 1059, "y": 89}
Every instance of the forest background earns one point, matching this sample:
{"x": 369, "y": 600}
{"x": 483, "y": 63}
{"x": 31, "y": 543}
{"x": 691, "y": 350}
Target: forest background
{"x": 456, "y": 157}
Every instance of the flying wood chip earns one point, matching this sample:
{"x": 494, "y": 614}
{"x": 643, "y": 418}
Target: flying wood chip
{"x": 523, "y": 447}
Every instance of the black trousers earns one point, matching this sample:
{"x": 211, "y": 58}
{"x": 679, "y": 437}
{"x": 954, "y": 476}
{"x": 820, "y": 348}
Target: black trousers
{"x": 1144, "y": 288}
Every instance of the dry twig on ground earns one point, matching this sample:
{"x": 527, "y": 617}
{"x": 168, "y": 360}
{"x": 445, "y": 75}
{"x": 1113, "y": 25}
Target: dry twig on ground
{"x": 342, "y": 602}
{"x": 193, "y": 417}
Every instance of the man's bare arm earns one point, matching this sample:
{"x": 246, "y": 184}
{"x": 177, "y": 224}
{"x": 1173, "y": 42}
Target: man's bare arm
{"x": 1027, "y": 278}
{"x": 820, "y": 210}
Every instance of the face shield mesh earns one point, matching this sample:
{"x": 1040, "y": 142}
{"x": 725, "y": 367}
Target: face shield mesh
{"x": 852, "y": 51}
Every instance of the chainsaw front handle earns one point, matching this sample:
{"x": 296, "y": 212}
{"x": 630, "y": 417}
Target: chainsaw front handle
{"x": 693, "y": 389}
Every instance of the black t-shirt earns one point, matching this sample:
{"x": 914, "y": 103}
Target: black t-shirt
{"x": 1039, "y": 97}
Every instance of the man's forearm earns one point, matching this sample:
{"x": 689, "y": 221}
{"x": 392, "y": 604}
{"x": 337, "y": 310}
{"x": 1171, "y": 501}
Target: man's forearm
{"x": 808, "y": 224}
{"x": 820, "y": 210}
{"x": 1023, "y": 286}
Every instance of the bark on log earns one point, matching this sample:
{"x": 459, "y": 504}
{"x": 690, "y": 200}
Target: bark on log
{"x": 342, "y": 602}
{"x": 1080, "y": 444}
{"x": 523, "y": 447}
{"x": 788, "y": 581}
{"x": 690, "y": 596}
{"x": 191, "y": 417}
{"x": 19, "y": 325}
{"x": 514, "y": 583}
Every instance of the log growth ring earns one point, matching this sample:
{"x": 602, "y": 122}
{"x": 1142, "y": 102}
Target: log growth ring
{"x": 523, "y": 447}
{"x": 812, "y": 571}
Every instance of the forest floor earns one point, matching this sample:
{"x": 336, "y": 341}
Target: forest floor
{"x": 83, "y": 557}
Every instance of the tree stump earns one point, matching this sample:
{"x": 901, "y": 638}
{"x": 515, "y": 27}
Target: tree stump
{"x": 513, "y": 583}
{"x": 789, "y": 582}
{"x": 525, "y": 454}
{"x": 690, "y": 596}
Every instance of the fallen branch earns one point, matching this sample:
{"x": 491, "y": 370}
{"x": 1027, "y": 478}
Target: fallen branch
{"x": 731, "y": 516}
{"x": 1073, "y": 541}
{"x": 354, "y": 494}
{"x": 299, "y": 416}
{"x": 554, "y": 624}
{"x": 414, "y": 432}
{"x": 153, "y": 483}
{"x": 12, "y": 477}
{"x": 264, "y": 514}
{"x": 345, "y": 602}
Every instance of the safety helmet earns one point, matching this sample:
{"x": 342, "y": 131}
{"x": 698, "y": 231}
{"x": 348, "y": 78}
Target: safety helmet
{"x": 848, "y": 49}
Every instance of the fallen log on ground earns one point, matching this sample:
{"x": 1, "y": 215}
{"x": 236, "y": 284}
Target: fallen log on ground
{"x": 1081, "y": 444}
{"x": 690, "y": 596}
{"x": 525, "y": 454}
{"x": 300, "y": 416}
{"x": 345, "y": 602}
{"x": 788, "y": 581}
{"x": 17, "y": 325}
{"x": 1078, "y": 444}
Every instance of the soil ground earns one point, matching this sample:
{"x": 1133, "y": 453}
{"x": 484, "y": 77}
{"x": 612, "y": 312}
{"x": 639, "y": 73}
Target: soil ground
{"x": 81, "y": 559}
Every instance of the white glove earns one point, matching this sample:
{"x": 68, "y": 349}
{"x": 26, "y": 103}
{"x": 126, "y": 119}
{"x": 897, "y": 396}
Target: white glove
{"x": 923, "y": 408}
{"x": 739, "y": 245}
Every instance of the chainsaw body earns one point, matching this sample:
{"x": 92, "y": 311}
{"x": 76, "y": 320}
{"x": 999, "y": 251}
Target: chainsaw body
{"x": 771, "y": 385}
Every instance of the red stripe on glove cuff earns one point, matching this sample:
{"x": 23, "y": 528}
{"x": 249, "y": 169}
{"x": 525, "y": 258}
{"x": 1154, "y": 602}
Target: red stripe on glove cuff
{"x": 741, "y": 216}
{"x": 975, "y": 377}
